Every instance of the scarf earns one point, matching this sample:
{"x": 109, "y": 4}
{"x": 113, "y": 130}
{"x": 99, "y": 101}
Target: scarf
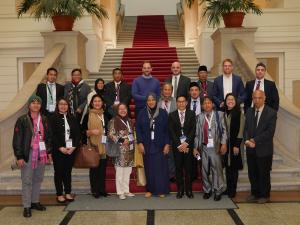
{"x": 119, "y": 125}
{"x": 38, "y": 135}
{"x": 73, "y": 95}
{"x": 152, "y": 114}
{"x": 95, "y": 122}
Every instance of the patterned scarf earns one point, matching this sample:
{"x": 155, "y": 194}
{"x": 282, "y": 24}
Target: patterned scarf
{"x": 38, "y": 136}
{"x": 73, "y": 96}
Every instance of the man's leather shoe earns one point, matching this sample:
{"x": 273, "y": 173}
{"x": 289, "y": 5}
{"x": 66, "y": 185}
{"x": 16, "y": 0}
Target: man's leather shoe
{"x": 96, "y": 195}
{"x": 263, "y": 200}
{"x": 179, "y": 194}
{"x": 38, "y": 206}
{"x": 206, "y": 195}
{"x": 251, "y": 199}
{"x": 27, "y": 212}
{"x": 104, "y": 194}
{"x": 217, "y": 197}
{"x": 190, "y": 194}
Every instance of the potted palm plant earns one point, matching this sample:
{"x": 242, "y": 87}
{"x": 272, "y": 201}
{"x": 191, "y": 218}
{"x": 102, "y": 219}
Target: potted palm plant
{"x": 232, "y": 11}
{"x": 62, "y": 12}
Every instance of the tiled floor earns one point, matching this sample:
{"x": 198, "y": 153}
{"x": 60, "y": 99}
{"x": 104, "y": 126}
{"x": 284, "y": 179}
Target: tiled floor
{"x": 285, "y": 211}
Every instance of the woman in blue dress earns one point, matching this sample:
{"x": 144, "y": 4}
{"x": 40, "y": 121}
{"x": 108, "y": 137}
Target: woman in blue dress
{"x": 153, "y": 142}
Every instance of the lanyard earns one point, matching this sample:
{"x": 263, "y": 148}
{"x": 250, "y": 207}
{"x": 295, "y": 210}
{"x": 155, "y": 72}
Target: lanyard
{"x": 50, "y": 92}
{"x": 127, "y": 125}
{"x": 102, "y": 121}
{"x": 38, "y": 127}
{"x": 209, "y": 122}
{"x": 67, "y": 128}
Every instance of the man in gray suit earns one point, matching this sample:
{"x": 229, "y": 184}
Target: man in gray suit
{"x": 210, "y": 143}
{"x": 206, "y": 87}
{"x": 168, "y": 103}
{"x": 180, "y": 83}
{"x": 259, "y": 130}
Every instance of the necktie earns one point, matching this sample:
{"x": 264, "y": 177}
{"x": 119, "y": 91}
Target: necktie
{"x": 166, "y": 105}
{"x": 118, "y": 92}
{"x": 204, "y": 88}
{"x": 257, "y": 85}
{"x": 205, "y": 130}
{"x": 194, "y": 105}
{"x": 182, "y": 118}
{"x": 175, "y": 87}
{"x": 256, "y": 118}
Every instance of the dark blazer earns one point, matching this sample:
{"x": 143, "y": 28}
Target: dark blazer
{"x": 238, "y": 90}
{"x": 271, "y": 92}
{"x": 58, "y": 125}
{"x": 189, "y": 128}
{"x": 264, "y": 133}
{"x": 209, "y": 87}
{"x": 110, "y": 93}
{"x": 183, "y": 87}
{"x": 143, "y": 131}
{"x": 41, "y": 91}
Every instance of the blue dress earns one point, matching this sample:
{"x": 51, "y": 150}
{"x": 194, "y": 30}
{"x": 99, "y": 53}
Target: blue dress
{"x": 155, "y": 162}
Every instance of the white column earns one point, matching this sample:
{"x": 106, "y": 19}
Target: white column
{"x": 109, "y": 25}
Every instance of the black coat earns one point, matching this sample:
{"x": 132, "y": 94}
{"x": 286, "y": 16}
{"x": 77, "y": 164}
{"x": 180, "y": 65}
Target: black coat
{"x": 41, "y": 91}
{"x": 23, "y": 134}
{"x": 183, "y": 87}
{"x": 264, "y": 133}
{"x": 58, "y": 125}
{"x": 271, "y": 92}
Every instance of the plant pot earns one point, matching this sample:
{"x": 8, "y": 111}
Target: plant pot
{"x": 233, "y": 19}
{"x": 63, "y": 23}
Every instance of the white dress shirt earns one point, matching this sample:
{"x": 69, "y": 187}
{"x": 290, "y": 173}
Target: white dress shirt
{"x": 227, "y": 84}
{"x": 261, "y": 86}
{"x": 259, "y": 113}
{"x": 173, "y": 84}
{"x": 198, "y": 105}
{"x": 179, "y": 114}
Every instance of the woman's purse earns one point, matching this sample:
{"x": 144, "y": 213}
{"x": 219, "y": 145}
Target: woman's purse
{"x": 112, "y": 148}
{"x": 87, "y": 156}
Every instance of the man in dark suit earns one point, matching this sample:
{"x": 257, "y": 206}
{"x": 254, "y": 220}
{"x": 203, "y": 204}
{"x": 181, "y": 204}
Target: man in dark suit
{"x": 259, "y": 132}
{"x": 180, "y": 83}
{"x": 182, "y": 125}
{"x": 49, "y": 92}
{"x": 206, "y": 87}
{"x": 116, "y": 91}
{"x": 260, "y": 83}
{"x": 228, "y": 83}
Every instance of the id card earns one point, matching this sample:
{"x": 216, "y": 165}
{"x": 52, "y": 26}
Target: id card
{"x": 152, "y": 135}
{"x": 42, "y": 146}
{"x": 51, "y": 108}
{"x": 69, "y": 143}
{"x": 210, "y": 143}
{"x": 116, "y": 102}
{"x": 131, "y": 147}
{"x": 130, "y": 137}
{"x": 103, "y": 139}
{"x": 182, "y": 138}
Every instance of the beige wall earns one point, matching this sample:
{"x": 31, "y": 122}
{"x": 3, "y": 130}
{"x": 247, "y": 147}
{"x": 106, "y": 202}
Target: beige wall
{"x": 296, "y": 93}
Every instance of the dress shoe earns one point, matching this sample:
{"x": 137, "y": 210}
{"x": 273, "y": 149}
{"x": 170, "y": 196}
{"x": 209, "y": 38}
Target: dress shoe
{"x": 60, "y": 199}
{"x": 129, "y": 194}
{"x": 263, "y": 200}
{"x": 38, "y": 206}
{"x": 251, "y": 199}
{"x": 122, "y": 197}
{"x": 27, "y": 212}
{"x": 190, "y": 194}
{"x": 172, "y": 179}
{"x": 217, "y": 197}
{"x": 179, "y": 194}
{"x": 104, "y": 194}
{"x": 69, "y": 198}
{"x": 96, "y": 195}
{"x": 206, "y": 195}
{"x": 148, "y": 194}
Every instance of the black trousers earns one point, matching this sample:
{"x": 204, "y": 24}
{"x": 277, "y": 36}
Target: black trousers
{"x": 97, "y": 178}
{"x": 63, "y": 165}
{"x": 232, "y": 175}
{"x": 194, "y": 170}
{"x": 183, "y": 164}
{"x": 259, "y": 169}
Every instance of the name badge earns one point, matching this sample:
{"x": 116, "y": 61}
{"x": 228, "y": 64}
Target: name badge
{"x": 51, "y": 108}
{"x": 210, "y": 143}
{"x": 152, "y": 135}
{"x": 117, "y": 102}
{"x": 103, "y": 139}
{"x": 131, "y": 147}
{"x": 182, "y": 138}
{"x": 130, "y": 137}
{"x": 42, "y": 146}
{"x": 69, "y": 143}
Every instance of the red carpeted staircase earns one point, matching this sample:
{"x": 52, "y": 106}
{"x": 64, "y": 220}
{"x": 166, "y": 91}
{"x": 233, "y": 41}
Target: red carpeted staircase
{"x": 150, "y": 43}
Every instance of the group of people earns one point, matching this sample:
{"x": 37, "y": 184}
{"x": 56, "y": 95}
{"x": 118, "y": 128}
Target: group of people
{"x": 181, "y": 128}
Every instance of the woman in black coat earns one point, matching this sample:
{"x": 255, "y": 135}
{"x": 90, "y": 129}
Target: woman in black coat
{"x": 234, "y": 122}
{"x": 66, "y": 137}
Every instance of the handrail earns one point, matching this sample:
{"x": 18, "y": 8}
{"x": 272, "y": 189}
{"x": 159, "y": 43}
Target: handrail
{"x": 29, "y": 87}
{"x": 17, "y": 106}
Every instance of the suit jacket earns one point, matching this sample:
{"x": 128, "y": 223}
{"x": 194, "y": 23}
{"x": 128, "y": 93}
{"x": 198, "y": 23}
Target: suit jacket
{"x": 262, "y": 134}
{"x": 173, "y": 105}
{"x": 110, "y": 93}
{"x": 271, "y": 92}
{"x": 189, "y": 128}
{"x": 209, "y": 88}
{"x": 41, "y": 91}
{"x": 238, "y": 90}
{"x": 183, "y": 87}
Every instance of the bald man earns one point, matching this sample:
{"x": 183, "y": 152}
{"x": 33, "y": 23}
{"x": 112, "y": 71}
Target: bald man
{"x": 180, "y": 83}
{"x": 259, "y": 132}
